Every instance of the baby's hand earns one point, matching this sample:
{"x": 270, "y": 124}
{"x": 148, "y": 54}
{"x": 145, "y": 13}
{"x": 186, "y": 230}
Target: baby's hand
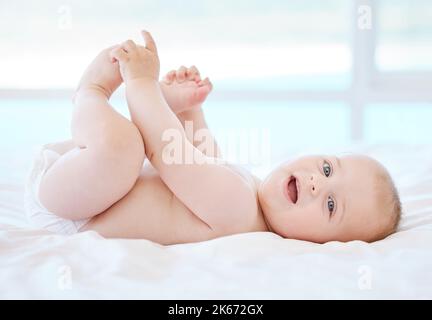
{"x": 137, "y": 61}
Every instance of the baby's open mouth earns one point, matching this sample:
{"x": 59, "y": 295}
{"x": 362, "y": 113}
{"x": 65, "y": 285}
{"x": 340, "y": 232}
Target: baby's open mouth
{"x": 292, "y": 189}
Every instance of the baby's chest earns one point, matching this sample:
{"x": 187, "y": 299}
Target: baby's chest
{"x": 164, "y": 212}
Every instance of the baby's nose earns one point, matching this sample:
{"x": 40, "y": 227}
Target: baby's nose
{"x": 313, "y": 185}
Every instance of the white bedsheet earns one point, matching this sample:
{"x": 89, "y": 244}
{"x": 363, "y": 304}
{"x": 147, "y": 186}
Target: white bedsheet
{"x": 38, "y": 264}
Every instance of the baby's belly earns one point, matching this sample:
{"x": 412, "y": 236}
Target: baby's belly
{"x": 150, "y": 211}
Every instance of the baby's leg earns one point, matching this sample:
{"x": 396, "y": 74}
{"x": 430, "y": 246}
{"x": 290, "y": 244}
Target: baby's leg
{"x": 87, "y": 180}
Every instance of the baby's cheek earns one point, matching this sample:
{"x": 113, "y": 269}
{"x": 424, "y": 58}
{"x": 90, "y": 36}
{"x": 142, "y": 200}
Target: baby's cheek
{"x": 269, "y": 191}
{"x": 307, "y": 216}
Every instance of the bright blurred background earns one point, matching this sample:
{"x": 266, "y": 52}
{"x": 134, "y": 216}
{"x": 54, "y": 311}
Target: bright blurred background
{"x": 316, "y": 73}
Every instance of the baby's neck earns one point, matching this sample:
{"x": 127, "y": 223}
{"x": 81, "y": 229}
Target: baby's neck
{"x": 261, "y": 213}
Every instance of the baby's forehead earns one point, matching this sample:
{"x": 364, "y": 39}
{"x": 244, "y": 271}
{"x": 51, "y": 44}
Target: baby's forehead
{"x": 360, "y": 197}
{"x": 361, "y": 161}
{"x": 360, "y": 177}
{"x": 365, "y": 186}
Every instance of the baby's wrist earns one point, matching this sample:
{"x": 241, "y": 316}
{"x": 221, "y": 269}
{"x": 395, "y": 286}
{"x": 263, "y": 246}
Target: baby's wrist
{"x": 142, "y": 82}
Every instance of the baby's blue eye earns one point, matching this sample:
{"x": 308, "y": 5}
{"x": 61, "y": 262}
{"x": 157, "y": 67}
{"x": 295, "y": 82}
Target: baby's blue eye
{"x": 327, "y": 169}
{"x": 330, "y": 205}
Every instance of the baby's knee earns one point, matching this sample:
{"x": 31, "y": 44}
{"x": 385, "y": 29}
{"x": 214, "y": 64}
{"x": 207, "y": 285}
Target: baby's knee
{"x": 123, "y": 144}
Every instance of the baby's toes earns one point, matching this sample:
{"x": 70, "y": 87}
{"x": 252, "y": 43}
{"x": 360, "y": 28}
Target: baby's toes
{"x": 170, "y": 77}
{"x": 206, "y": 83}
{"x": 181, "y": 74}
{"x": 193, "y": 74}
{"x": 201, "y": 94}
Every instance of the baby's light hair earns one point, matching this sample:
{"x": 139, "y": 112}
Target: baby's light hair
{"x": 389, "y": 203}
{"x": 387, "y": 198}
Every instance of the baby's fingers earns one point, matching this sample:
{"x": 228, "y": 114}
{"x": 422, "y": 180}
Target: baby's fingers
{"x": 118, "y": 54}
{"x": 129, "y": 46}
{"x": 150, "y": 43}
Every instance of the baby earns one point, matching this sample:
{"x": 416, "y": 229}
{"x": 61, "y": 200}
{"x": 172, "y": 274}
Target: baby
{"x": 100, "y": 180}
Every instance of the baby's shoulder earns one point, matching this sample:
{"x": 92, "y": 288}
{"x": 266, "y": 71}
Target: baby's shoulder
{"x": 254, "y": 221}
{"x": 248, "y": 177}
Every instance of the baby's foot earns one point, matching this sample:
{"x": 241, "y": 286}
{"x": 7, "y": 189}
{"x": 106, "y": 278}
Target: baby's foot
{"x": 102, "y": 74}
{"x": 183, "y": 89}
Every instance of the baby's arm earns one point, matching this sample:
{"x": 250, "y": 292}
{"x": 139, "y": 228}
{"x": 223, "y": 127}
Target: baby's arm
{"x": 204, "y": 186}
{"x": 200, "y": 128}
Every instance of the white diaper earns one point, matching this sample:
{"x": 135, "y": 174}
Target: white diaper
{"x": 36, "y": 213}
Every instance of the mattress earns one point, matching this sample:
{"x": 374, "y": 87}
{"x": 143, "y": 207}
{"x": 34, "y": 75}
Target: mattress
{"x": 36, "y": 264}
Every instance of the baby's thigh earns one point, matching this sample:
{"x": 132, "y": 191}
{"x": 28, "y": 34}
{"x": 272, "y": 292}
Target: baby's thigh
{"x": 84, "y": 182}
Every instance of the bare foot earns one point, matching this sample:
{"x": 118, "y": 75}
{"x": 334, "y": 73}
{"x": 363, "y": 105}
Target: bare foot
{"x": 184, "y": 90}
{"x": 102, "y": 74}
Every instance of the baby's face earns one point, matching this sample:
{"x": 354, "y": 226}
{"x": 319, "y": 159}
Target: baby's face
{"x": 322, "y": 198}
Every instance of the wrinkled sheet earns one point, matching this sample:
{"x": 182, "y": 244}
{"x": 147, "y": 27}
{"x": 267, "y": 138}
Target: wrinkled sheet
{"x": 38, "y": 264}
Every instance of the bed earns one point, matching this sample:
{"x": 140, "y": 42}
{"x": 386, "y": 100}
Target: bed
{"x": 37, "y": 264}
